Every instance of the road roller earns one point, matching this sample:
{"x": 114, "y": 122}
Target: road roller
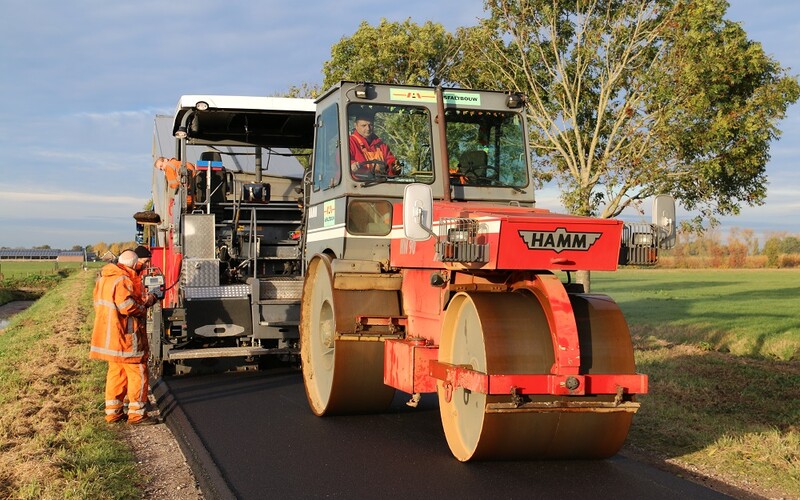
{"x": 428, "y": 268}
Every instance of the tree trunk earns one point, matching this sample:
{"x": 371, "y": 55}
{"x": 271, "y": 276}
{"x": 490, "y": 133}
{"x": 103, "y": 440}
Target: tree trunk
{"x": 585, "y": 278}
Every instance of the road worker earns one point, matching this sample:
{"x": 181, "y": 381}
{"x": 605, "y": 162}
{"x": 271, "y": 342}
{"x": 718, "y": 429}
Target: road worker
{"x": 368, "y": 153}
{"x": 119, "y": 337}
{"x": 172, "y": 170}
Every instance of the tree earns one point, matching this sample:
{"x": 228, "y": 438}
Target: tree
{"x": 402, "y": 53}
{"x": 633, "y": 98}
{"x": 100, "y": 248}
{"x": 779, "y": 244}
{"x": 305, "y": 90}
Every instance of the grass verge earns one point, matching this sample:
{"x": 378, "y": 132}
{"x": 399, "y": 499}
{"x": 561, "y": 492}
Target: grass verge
{"x": 721, "y": 352}
{"x": 54, "y": 442}
{"x": 733, "y": 418}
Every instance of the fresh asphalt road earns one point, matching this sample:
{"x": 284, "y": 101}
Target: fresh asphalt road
{"x": 252, "y": 436}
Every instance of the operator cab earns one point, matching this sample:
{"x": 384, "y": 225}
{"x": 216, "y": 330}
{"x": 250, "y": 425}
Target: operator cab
{"x": 487, "y": 153}
{"x": 372, "y": 140}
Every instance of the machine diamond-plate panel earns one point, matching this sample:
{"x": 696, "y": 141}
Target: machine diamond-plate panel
{"x": 198, "y": 236}
{"x": 200, "y": 272}
{"x": 288, "y": 288}
{"x": 217, "y": 292}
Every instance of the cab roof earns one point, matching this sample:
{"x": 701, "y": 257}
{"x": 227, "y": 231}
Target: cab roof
{"x": 245, "y": 120}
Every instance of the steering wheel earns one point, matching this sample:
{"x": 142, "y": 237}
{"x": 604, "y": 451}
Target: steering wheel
{"x": 370, "y": 169}
{"x": 487, "y": 176}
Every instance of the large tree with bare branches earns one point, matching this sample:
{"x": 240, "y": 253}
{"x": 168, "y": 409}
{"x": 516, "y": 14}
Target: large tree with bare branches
{"x": 626, "y": 98}
{"x": 629, "y": 98}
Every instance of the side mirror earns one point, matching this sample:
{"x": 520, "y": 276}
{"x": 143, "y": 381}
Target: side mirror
{"x": 418, "y": 212}
{"x": 664, "y": 220}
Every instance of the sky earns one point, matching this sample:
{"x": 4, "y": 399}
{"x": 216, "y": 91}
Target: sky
{"x": 85, "y": 79}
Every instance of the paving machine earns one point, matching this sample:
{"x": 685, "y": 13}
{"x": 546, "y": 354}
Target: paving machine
{"x": 225, "y": 231}
{"x": 436, "y": 273}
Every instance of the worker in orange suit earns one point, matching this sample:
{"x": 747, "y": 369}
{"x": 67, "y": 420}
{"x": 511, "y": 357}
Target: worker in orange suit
{"x": 119, "y": 337}
{"x": 172, "y": 171}
{"x": 368, "y": 153}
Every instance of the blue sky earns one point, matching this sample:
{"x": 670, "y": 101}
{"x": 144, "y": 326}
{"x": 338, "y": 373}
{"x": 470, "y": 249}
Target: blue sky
{"x": 84, "y": 79}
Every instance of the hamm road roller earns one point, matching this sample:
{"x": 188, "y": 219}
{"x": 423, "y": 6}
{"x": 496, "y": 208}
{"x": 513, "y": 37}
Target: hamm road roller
{"x": 428, "y": 268}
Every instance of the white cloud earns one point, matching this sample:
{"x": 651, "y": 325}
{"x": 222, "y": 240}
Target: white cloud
{"x": 59, "y": 197}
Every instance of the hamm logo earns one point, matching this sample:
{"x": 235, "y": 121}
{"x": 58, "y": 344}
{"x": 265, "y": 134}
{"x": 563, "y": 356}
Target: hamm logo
{"x": 558, "y": 240}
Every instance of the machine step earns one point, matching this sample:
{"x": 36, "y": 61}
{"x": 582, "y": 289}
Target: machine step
{"x": 279, "y": 323}
{"x": 225, "y": 352}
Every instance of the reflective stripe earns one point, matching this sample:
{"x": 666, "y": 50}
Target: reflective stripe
{"x": 112, "y": 402}
{"x": 108, "y": 332}
{"x": 122, "y": 354}
{"x": 137, "y": 408}
{"x": 143, "y": 377}
{"x": 126, "y": 303}
{"x": 118, "y": 411}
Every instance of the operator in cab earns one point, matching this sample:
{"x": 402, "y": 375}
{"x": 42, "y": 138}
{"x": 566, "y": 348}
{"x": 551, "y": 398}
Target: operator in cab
{"x": 369, "y": 155}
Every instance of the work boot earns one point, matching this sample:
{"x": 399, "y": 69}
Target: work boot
{"x": 116, "y": 421}
{"x": 144, "y": 421}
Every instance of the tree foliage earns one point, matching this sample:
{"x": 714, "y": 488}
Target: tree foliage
{"x": 392, "y": 52}
{"x": 632, "y": 98}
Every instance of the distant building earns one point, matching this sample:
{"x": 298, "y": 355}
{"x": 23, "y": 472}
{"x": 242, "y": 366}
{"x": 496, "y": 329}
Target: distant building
{"x": 49, "y": 254}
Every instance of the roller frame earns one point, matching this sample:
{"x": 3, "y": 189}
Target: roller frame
{"x": 542, "y": 384}
{"x": 564, "y": 374}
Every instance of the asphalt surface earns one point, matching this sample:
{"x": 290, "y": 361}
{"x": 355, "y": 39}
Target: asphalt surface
{"x": 252, "y": 436}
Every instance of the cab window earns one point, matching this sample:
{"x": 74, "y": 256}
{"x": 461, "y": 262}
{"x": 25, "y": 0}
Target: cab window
{"x": 369, "y": 217}
{"x": 327, "y": 166}
{"x": 486, "y": 148}
{"x": 389, "y": 143}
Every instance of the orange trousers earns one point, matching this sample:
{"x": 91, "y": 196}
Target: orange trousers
{"x": 126, "y": 379}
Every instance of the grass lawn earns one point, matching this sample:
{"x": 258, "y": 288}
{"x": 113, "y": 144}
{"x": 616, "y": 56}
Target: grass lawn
{"x": 721, "y": 350}
{"x": 745, "y": 312}
{"x": 17, "y": 269}
{"x": 53, "y": 438}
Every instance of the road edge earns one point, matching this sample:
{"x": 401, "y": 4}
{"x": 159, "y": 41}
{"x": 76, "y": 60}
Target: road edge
{"x": 210, "y": 479}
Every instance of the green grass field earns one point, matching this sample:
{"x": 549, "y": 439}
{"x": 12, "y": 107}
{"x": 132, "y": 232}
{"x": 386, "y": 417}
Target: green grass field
{"x": 19, "y": 269}
{"x": 54, "y": 441}
{"x": 745, "y": 312}
{"x": 721, "y": 349}
{"x": 30, "y": 279}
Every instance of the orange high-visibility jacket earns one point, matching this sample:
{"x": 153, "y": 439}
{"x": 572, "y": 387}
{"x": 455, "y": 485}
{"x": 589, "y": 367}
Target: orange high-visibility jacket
{"x": 172, "y": 172}
{"x": 118, "y": 333}
{"x": 372, "y": 148}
